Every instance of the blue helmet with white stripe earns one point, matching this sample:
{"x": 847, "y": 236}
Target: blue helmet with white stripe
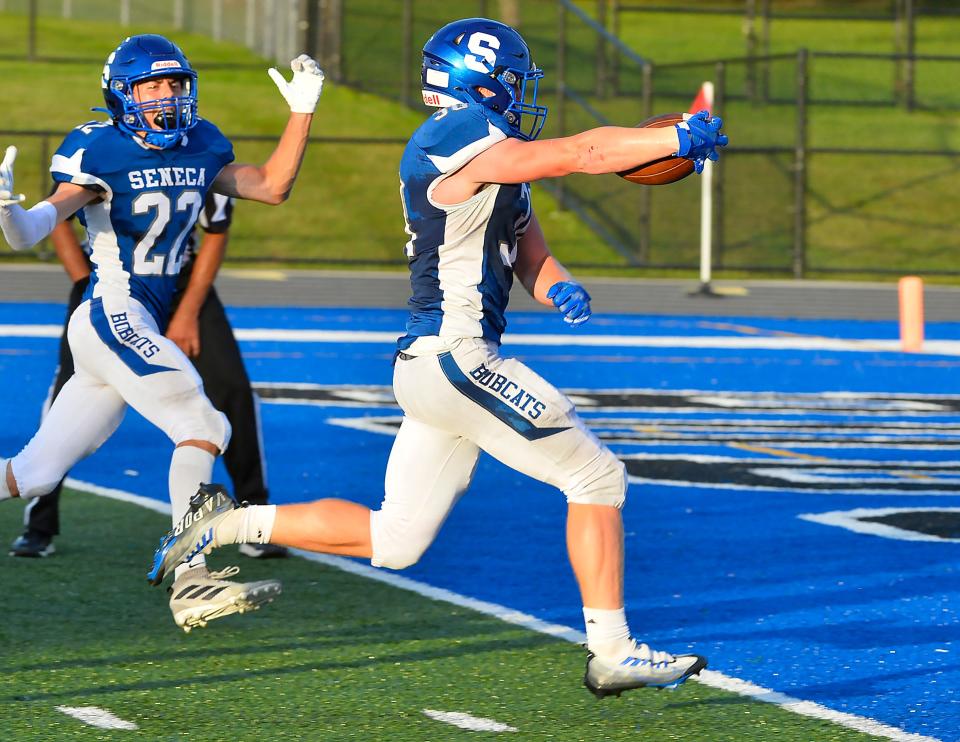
{"x": 147, "y": 57}
{"x": 482, "y": 61}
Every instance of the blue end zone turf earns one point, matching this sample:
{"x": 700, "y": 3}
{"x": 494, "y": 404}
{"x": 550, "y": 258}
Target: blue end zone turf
{"x": 853, "y": 605}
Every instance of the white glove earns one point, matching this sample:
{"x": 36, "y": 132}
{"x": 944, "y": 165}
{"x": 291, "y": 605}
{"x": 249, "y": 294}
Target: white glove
{"x": 303, "y": 91}
{"x": 7, "y": 196}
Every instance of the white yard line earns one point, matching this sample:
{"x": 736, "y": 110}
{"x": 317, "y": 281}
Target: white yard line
{"x": 97, "y": 717}
{"x": 811, "y": 343}
{"x": 466, "y": 721}
{"x": 707, "y": 677}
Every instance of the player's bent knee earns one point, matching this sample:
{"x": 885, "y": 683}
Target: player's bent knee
{"x": 37, "y": 484}
{"x": 604, "y": 482}
{"x": 395, "y": 546}
{"x": 208, "y": 424}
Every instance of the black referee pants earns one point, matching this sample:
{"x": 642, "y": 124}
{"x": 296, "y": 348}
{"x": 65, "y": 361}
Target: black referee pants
{"x": 225, "y": 382}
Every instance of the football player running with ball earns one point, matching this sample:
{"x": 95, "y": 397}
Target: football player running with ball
{"x": 466, "y": 197}
{"x": 139, "y": 181}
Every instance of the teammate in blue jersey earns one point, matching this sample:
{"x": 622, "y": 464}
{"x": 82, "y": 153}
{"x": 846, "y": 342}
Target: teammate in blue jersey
{"x": 138, "y": 182}
{"x": 466, "y": 199}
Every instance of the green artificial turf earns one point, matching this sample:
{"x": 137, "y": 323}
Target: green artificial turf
{"x": 336, "y": 657}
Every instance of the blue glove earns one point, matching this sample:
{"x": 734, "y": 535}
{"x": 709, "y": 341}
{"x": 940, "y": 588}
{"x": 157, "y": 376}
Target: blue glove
{"x": 699, "y": 138}
{"x": 572, "y": 300}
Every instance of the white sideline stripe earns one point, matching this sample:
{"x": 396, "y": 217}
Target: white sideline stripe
{"x": 466, "y": 721}
{"x": 808, "y": 708}
{"x": 707, "y": 677}
{"x": 930, "y": 347}
{"x": 145, "y": 502}
{"x": 97, "y": 717}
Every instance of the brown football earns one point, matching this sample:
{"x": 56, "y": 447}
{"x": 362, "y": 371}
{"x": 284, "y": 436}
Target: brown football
{"x": 666, "y": 169}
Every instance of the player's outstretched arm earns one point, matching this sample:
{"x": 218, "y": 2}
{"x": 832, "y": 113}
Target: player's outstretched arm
{"x": 545, "y": 278}
{"x": 272, "y": 182}
{"x": 607, "y": 149}
{"x": 24, "y": 228}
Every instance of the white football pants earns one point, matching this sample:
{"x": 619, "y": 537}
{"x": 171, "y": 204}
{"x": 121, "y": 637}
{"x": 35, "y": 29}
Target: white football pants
{"x": 121, "y": 359}
{"x": 470, "y": 399}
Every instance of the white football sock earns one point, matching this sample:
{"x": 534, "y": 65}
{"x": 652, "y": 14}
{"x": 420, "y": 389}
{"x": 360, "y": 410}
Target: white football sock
{"x": 608, "y": 635}
{"x": 250, "y": 525}
{"x": 189, "y": 468}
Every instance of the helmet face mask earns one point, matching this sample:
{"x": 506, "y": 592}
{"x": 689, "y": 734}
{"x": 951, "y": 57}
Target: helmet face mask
{"x": 486, "y": 62}
{"x": 161, "y": 122}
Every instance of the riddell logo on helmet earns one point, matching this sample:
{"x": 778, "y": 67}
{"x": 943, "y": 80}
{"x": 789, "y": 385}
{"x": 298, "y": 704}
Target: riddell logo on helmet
{"x": 431, "y": 99}
{"x": 165, "y": 65}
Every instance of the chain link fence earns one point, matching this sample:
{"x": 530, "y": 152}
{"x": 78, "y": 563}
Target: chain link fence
{"x": 786, "y": 201}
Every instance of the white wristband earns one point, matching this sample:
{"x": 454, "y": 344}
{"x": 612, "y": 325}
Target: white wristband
{"x": 24, "y": 229}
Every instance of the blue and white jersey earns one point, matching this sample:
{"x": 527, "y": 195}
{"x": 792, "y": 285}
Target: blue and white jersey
{"x": 151, "y": 199}
{"x": 460, "y": 256}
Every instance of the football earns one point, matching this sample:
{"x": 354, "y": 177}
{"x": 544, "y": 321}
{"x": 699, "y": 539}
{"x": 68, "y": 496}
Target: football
{"x": 666, "y": 169}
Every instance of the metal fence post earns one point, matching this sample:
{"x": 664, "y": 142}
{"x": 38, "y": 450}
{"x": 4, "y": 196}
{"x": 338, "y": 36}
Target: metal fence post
{"x": 44, "y": 182}
{"x": 910, "y": 76}
{"x": 32, "y": 32}
{"x": 406, "y": 56}
{"x": 719, "y": 101}
{"x": 217, "y": 20}
{"x": 800, "y": 170}
{"x": 312, "y": 43}
{"x": 644, "y": 248}
{"x": 615, "y": 60}
{"x": 561, "y": 90}
{"x": 178, "y": 15}
{"x": 750, "y": 32}
{"x": 250, "y": 25}
{"x": 765, "y": 50}
{"x": 601, "y": 61}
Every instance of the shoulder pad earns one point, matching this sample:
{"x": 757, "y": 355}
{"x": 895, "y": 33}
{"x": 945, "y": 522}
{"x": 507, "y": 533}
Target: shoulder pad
{"x": 453, "y": 136}
{"x": 211, "y": 140}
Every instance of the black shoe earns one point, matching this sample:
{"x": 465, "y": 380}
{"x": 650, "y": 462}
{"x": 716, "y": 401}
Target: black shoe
{"x": 264, "y": 551}
{"x": 33, "y": 545}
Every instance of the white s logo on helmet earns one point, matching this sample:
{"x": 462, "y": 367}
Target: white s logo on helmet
{"x": 482, "y": 45}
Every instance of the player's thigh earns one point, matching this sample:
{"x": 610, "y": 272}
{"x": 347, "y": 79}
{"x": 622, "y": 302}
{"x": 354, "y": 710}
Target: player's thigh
{"x": 515, "y": 415}
{"x": 427, "y": 473}
{"x": 148, "y": 370}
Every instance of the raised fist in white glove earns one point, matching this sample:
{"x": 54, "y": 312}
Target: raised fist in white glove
{"x": 7, "y": 196}
{"x": 303, "y": 91}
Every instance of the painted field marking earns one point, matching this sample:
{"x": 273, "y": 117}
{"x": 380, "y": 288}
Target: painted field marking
{"x": 518, "y": 618}
{"x": 932, "y": 347}
{"x": 466, "y": 721}
{"x": 97, "y": 717}
{"x": 851, "y": 520}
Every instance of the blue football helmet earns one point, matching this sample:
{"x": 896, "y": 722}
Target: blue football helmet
{"x": 146, "y": 57}
{"x": 475, "y": 53}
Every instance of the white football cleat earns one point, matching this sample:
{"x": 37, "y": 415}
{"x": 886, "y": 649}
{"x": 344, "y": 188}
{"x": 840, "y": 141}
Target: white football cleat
{"x": 198, "y": 596}
{"x": 643, "y": 667}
